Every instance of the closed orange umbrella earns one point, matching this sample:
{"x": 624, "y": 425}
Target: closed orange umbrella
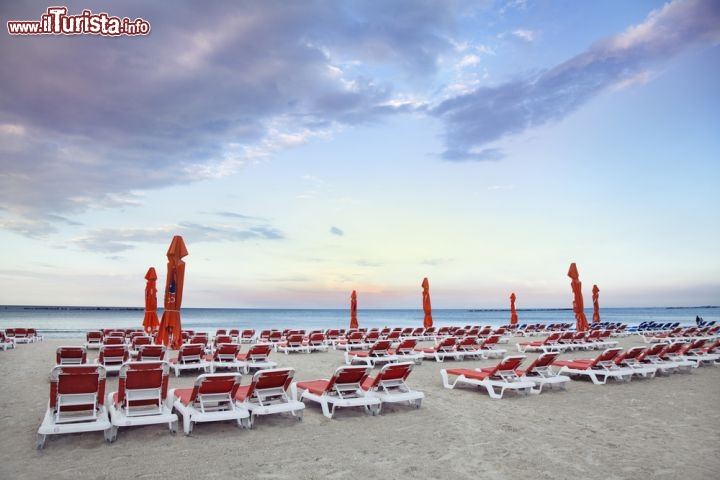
{"x": 596, "y": 305}
{"x": 513, "y": 313}
{"x": 150, "y": 322}
{"x": 353, "y": 310}
{"x": 581, "y": 323}
{"x": 170, "y": 328}
{"x": 428, "y": 321}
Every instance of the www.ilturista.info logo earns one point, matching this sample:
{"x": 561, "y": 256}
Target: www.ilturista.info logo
{"x": 57, "y": 22}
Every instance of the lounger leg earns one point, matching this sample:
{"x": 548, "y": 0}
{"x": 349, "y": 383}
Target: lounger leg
{"x": 40, "y": 443}
{"x": 493, "y": 394}
{"x": 109, "y": 434}
{"x": 326, "y": 410}
{"x": 446, "y": 381}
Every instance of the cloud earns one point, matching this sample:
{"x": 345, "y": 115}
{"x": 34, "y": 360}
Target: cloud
{"x": 88, "y": 121}
{"x": 474, "y": 120}
{"x": 115, "y": 240}
{"x": 336, "y": 231}
{"x": 523, "y": 34}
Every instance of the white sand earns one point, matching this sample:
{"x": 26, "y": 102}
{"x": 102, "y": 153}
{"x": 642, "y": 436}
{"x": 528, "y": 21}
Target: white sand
{"x": 661, "y": 428}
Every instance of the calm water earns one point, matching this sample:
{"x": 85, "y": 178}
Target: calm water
{"x": 73, "y": 322}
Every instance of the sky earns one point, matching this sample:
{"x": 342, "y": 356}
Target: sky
{"x": 307, "y": 149}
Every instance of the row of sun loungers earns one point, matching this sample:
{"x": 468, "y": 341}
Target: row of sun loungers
{"x": 78, "y": 402}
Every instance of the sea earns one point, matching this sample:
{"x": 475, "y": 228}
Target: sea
{"x": 72, "y": 322}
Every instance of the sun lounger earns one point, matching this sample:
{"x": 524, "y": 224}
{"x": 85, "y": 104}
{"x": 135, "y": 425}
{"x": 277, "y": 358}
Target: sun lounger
{"x": 317, "y": 342}
{"x": 94, "y": 339}
{"x": 405, "y": 351}
{"x": 247, "y": 336}
{"x": 256, "y": 357}
{"x": 211, "y": 399}
{"x": 378, "y": 352}
{"x": 444, "y": 349}
{"x": 151, "y": 353}
{"x": 141, "y": 397}
{"x": 76, "y": 402}
{"x": 390, "y": 387}
{"x": 697, "y": 352}
{"x": 629, "y": 358}
{"x": 112, "y": 357}
{"x": 541, "y": 373}
{"x": 191, "y": 356}
{"x": 6, "y": 342}
{"x": 489, "y": 348}
{"x": 225, "y": 356}
{"x": 597, "y": 369}
{"x": 673, "y": 352}
{"x": 293, "y": 343}
{"x": 343, "y": 389}
{"x": 496, "y": 380}
{"x": 550, "y": 344}
{"x": 267, "y": 394}
{"x": 650, "y": 356}
{"x": 70, "y": 355}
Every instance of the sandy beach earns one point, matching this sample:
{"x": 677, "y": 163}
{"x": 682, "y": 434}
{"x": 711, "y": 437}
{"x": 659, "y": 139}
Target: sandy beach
{"x": 659, "y": 428}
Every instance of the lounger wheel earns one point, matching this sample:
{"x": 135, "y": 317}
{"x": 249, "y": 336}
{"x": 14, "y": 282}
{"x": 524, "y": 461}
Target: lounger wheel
{"x": 40, "y": 444}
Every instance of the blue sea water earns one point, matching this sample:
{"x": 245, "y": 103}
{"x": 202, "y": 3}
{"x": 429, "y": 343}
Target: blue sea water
{"x": 74, "y": 321}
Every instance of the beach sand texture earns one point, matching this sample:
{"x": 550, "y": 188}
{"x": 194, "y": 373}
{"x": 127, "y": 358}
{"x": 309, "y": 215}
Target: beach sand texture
{"x": 661, "y": 428}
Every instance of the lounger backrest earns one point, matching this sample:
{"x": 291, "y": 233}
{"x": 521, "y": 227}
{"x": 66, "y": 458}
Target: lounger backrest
{"x": 347, "y": 377}
{"x": 379, "y": 348}
{"x": 553, "y": 337}
{"x": 671, "y": 349}
{"x": 392, "y": 374}
{"x": 114, "y": 340}
{"x": 542, "y": 362}
{"x": 317, "y": 338}
{"x": 406, "y": 346}
{"x": 139, "y": 340}
{"x": 247, "y": 334}
{"x": 294, "y": 339}
{"x": 274, "y": 378}
{"x": 633, "y": 353}
{"x": 214, "y": 384}
{"x": 606, "y": 357}
{"x": 275, "y": 336}
{"x": 77, "y": 379}
{"x": 354, "y": 337}
{"x": 466, "y": 343}
{"x": 219, "y": 339}
{"x": 447, "y": 343}
{"x": 226, "y": 352}
{"x": 70, "y": 355}
{"x": 201, "y": 339}
{"x": 258, "y": 352}
{"x": 151, "y": 352}
{"x": 191, "y": 353}
{"x": 491, "y": 340}
{"x": 94, "y": 336}
{"x": 143, "y": 376}
{"x": 505, "y": 368}
{"x": 113, "y": 354}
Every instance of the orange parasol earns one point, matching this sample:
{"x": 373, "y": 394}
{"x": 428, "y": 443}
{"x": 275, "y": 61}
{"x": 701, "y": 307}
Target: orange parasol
{"x": 353, "y": 310}
{"x": 581, "y": 323}
{"x": 170, "y": 329}
{"x": 428, "y": 321}
{"x": 596, "y": 305}
{"x": 150, "y": 322}
{"x": 513, "y": 313}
